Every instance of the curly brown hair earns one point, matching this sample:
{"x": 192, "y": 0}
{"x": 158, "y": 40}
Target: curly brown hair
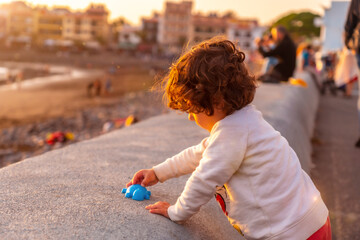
{"x": 212, "y": 73}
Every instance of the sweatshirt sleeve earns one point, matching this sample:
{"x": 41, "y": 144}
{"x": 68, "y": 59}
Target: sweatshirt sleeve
{"x": 221, "y": 159}
{"x": 183, "y": 163}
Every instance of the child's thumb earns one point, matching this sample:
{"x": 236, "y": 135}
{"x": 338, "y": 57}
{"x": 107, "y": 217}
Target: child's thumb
{"x": 145, "y": 182}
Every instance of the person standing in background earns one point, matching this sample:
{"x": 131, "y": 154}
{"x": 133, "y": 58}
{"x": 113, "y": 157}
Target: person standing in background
{"x": 352, "y": 21}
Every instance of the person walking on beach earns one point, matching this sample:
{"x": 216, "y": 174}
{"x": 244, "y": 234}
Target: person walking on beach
{"x": 352, "y": 21}
{"x": 97, "y": 87}
{"x": 108, "y": 85}
{"x": 89, "y": 89}
{"x": 19, "y": 78}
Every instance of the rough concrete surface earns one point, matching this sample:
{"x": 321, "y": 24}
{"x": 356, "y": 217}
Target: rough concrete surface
{"x": 337, "y": 162}
{"x": 291, "y": 110}
{"x": 75, "y": 192}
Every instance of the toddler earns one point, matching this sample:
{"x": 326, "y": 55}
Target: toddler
{"x": 250, "y": 168}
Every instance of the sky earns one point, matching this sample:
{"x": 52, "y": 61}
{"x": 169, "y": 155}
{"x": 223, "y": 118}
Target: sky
{"x": 265, "y": 11}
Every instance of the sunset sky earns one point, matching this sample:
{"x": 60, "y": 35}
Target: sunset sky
{"x": 264, "y": 10}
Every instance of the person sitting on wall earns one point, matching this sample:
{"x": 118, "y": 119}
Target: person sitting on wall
{"x": 285, "y": 52}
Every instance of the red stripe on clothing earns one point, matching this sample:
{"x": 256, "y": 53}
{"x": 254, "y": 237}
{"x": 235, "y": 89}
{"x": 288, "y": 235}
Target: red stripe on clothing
{"x": 324, "y": 233}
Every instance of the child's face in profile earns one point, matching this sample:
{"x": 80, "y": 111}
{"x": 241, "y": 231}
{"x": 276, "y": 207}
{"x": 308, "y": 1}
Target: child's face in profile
{"x": 207, "y": 122}
{"x": 201, "y": 119}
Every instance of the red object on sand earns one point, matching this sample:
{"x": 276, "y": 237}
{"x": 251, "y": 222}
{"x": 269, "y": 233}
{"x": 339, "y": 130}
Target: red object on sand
{"x": 54, "y": 137}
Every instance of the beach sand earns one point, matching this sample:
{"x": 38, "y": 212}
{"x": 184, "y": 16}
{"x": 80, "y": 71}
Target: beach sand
{"x": 23, "y": 106}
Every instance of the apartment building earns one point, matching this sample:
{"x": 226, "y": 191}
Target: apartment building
{"x": 175, "y": 25}
{"x": 128, "y": 38}
{"x": 49, "y": 24}
{"x": 3, "y": 18}
{"x": 150, "y": 27}
{"x": 89, "y": 26}
{"x": 149, "y": 34}
{"x": 20, "y": 24}
{"x": 178, "y": 26}
{"x": 243, "y": 32}
{"x": 206, "y": 27}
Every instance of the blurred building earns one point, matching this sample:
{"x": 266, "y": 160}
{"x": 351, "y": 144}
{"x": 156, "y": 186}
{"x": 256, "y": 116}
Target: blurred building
{"x": 175, "y": 25}
{"x": 206, "y": 27}
{"x": 3, "y": 18}
{"x": 149, "y": 34}
{"x": 243, "y": 32}
{"x": 24, "y": 24}
{"x": 128, "y": 38}
{"x": 49, "y": 25}
{"x": 20, "y": 24}
{"x": 168, "y": 32}
{"x": 97, "y": 20}
{"x": 150, "y": 27}
{"x": 89, "y": 27}
{"x": 178, "y": 26}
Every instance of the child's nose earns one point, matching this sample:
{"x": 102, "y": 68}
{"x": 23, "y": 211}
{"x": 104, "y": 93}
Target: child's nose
{"x": 191, "y": 117}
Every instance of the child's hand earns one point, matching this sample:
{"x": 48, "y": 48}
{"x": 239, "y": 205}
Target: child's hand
{"x": 144, "y": 177}
{"x": 159, "y": 208}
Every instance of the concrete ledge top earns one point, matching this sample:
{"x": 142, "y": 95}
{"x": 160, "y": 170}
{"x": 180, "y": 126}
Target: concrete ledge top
{"x": 75, "y": 192}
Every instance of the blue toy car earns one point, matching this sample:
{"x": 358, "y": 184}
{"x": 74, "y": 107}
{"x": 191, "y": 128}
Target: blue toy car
{"x": 136, "y": 192}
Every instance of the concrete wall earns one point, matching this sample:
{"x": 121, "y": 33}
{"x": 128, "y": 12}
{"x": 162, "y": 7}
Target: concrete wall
{"x": 75, "y": 192}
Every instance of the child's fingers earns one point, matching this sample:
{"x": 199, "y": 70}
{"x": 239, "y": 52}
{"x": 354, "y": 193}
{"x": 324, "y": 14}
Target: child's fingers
{"x": 149, "y": 178}
{"x": 151, "y": 206}
{"x": 137, "y": 179}
{"x": 159, "y": 208}
{"x": 129, "y": 184}
{"x": 146, "y": 181}
{"x": 158, "y": 205}
{"x": 158, "y": 211}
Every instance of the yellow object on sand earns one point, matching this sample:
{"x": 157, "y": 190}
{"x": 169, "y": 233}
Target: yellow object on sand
{"x": 298, "y": 82}
{"x": 69, "y": 136}
{"x": 129, "y": 120}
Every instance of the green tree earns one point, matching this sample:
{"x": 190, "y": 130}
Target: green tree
{"x": 300, "y": 25}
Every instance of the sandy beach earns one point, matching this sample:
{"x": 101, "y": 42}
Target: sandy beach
{"x": 24, "y": 106}
{"x": 28, "y": 114}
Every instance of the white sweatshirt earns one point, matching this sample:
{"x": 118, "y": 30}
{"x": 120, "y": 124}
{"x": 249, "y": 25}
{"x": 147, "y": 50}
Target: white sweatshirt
{"x": 254, "y": 174}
